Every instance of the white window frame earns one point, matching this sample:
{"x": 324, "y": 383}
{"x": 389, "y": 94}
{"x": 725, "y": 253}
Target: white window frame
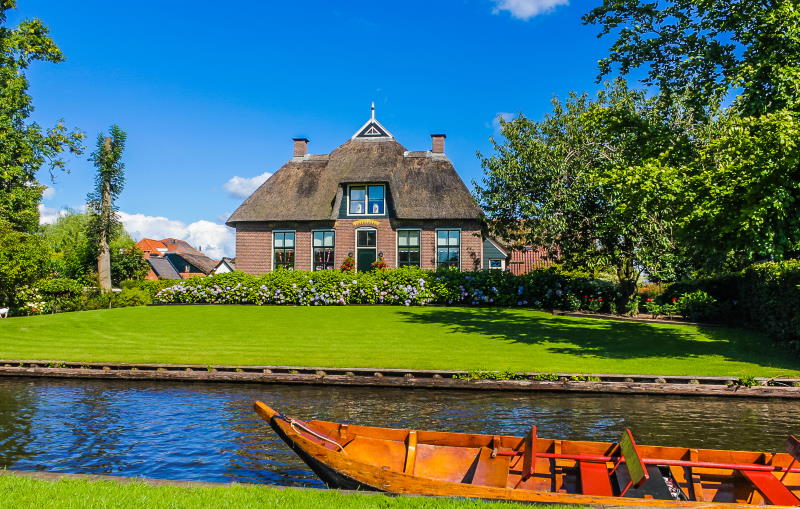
{"x": 397, "y": 245}
{"x": 502, "y": 263}
{"x": 326, "y": 230}
{"x": 436, "y": 246}
{"x": 366, "y": 200}
{"x": 272, "y": 248}
{"x": 355, "y": 242}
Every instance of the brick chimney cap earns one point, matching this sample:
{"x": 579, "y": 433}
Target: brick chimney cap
{"x": 438, "y": 135}
{"x": 300, "y": 139}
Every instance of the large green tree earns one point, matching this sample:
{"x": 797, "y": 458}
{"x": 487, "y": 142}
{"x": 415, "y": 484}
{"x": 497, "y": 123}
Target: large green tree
{"x": 26, "y": 147}
{"x": 706, "y": 50}
{"x": 109, "y": 181}
{"x": 594, "y": 181}
{"x": 742, "y": 193}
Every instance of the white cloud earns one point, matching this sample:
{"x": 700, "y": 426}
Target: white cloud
{"x": 507, "y": 117}
{"x": 50, "y": 216}
{"x": 242, "y": 187}
{"x": 216, "y": 240}
{"x": 526, "y": 9}
{"x": 48, "y": 193}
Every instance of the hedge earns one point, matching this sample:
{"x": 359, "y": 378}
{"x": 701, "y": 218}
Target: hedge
{"x": 548, "y": 289}
{"x": 765, "y": 296}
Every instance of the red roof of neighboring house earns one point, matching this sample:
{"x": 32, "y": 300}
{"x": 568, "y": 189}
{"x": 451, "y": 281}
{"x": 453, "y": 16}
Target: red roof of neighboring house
{"x": 151, "y": 246}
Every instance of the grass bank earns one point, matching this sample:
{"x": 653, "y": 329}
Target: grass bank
{"x": 392, "y": 337}
{"x": 79, "y": 494}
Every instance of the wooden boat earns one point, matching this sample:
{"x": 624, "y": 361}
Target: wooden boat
{"x": 535, "y": 469}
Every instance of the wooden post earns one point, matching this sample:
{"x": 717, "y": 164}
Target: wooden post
{"x": 104, "y": 255}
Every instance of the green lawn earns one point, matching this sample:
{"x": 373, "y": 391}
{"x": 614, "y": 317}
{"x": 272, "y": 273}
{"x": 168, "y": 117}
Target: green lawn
{"x": 391, "y": 337}
{"x": 23, "y": 492}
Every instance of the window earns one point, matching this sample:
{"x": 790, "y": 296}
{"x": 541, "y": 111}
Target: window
{"x": 407, "y": 247}
{"x": 367, "y": 200}
{"x": 324, "y": 243}
{"x": 448, "y": 248}
{"x": 367, "y": 238}
{"x": 283, "y": 250}
{"x": 496, "y": 264}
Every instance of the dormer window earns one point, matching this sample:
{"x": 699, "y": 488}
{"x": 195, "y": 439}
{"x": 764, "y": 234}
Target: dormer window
{"x": 367, "y": 200}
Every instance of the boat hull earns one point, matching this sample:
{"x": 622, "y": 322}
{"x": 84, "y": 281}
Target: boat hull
{"x": 338, "y": 469}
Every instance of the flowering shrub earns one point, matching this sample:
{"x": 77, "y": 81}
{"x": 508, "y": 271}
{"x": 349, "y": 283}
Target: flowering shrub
{"x": 349, "y": 264}
{"x": 403, "y": 286}
{"x": 380, "y": 264}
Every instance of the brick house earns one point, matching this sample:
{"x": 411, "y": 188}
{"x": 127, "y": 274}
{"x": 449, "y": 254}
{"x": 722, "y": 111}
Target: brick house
{"x": 368, "y": 198}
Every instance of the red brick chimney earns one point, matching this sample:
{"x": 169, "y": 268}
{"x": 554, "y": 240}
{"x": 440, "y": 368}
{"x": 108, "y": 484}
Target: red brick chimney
{"x": 438, "y": 143}
{"x": 300, "y": 146}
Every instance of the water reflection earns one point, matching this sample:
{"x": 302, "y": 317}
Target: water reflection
{"x": 208, "y": 431}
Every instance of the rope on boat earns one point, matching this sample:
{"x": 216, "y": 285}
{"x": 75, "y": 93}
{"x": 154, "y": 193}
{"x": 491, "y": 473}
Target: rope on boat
{"x": 305, "y": 428}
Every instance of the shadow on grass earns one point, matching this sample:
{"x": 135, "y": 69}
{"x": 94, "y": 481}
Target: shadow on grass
{"x": 609, "y": 338}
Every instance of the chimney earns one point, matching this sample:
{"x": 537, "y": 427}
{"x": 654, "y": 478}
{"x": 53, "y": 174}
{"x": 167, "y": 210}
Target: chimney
{"x": 438, "y": 143}
{"x": 300, "y": 147}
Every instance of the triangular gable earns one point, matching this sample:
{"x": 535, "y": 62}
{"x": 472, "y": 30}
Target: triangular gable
{"x": 372, "y": 130}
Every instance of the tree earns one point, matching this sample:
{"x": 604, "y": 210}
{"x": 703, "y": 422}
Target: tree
{"x": 23, "y": 259}
{"x": 25, "y": 147}
{"x": 109, "y": 181}
{"x": 75, "y": 253}
{"x": 594, "y": 181}
{"x": 706, "y": 50}
{"x": 744, "y": 192}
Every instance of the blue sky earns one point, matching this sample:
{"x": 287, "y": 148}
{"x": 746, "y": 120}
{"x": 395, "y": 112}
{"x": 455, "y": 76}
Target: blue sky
{"x": 209, "y": 92}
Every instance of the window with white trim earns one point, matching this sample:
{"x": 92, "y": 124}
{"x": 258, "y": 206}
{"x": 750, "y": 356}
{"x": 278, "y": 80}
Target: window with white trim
{"x": 283, "y": 250}
{"x": 367, "y": 200}
{"x": 408, "y": 247}
{"x": 448, "y": 248}
{"x": 324, "y": 245}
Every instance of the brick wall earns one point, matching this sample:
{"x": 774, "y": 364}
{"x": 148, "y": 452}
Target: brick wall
{"x": 254, "y": 242}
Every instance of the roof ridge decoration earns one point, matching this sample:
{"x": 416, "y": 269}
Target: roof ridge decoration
{"x": 372, "y": 129}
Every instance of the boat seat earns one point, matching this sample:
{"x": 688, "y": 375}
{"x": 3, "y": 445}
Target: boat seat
{"x": 595, "y": 479}
{"x": 772, "y": 489}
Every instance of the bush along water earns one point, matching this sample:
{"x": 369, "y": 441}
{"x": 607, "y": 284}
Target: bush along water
{"x": 409, "y": 286}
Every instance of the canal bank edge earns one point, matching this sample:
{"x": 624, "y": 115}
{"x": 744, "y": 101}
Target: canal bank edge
{"x": 438, "y": 379}
{"x": 54, "y": 477}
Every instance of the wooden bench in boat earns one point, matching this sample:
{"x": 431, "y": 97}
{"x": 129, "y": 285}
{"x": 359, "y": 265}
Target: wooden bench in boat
{"x": 596, "y": 478}
{"x": 770, "y": 486}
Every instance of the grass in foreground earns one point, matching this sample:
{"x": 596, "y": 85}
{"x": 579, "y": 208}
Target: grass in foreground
{"x": 392, "y": 337}
{"x": 24, "y": 492}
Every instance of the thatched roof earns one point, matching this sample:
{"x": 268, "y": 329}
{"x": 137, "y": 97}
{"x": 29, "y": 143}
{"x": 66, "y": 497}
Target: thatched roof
{"x": 421, "y": 185}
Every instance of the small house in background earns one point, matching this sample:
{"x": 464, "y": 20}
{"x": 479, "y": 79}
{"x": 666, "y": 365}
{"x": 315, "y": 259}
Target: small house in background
{"x": 369, "y": 198}
{"x": 225, "y": 265}
{"x": 175, "y": 259}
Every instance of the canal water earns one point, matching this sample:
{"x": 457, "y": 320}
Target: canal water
{"x": 208, "y": 432}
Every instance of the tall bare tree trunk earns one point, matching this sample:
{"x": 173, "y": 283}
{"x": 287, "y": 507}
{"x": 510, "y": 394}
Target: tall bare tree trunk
{"x": 104, "y": 256}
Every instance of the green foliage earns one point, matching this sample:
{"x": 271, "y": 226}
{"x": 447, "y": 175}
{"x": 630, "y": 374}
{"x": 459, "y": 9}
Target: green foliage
{"x": 746, "y": 381}
{"x": 24, "y": 258}
{"x": 697, "y": 306}
{"x": 59, "y": 287}
{"x": 704, "y": 51}
{"x": 594, "y": 181}
{"x": 26, "y": 147}
{"x": 75, "y": 256}
{"x": 148, "y": 286}
{"x": 769, "y": 295}
{"x": 491, "y": 375}
{"x": 545, "y": 377}
{"x": 743, "y": 198}
{"x": 132, "y": 297}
